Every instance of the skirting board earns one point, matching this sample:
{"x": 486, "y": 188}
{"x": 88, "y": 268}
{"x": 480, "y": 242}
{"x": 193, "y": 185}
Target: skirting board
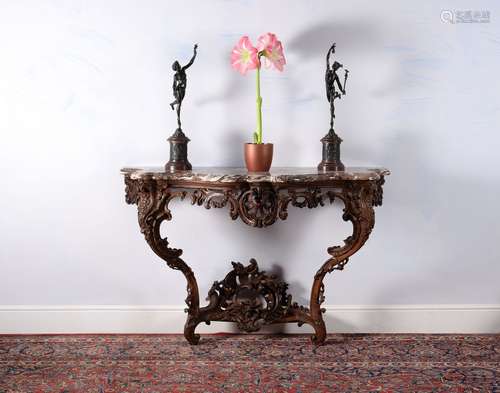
{"x": 170, "y": 319}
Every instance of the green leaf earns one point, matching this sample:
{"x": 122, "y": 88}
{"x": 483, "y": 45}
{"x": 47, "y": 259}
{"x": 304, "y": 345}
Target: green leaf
{"x": 255, "y": 137}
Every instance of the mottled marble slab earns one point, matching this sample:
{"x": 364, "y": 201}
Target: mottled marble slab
{"x": 236, "y": 175}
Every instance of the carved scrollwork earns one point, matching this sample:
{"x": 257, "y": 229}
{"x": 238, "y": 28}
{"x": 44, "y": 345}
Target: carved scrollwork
{"x": 258, "y": 206}
{"x": 261, "y": 205}
{"x": 310, "y": 198}
{"x": 216, "y": 199}
{"x": 358, "y": 209}
{"x": 249, "y": 297}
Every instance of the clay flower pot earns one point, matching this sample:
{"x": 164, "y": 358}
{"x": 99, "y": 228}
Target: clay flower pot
{"x": 258, "y": 156}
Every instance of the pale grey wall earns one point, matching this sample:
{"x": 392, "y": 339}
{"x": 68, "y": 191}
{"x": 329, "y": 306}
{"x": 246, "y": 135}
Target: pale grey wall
{"x": 84, "y": 90}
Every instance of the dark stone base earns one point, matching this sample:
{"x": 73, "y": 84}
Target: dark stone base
{"x": 178, "y": 153}
{"x": 330, "y": 166}
{"x": 178, "y": 166}
{"x": 331, "y": 153}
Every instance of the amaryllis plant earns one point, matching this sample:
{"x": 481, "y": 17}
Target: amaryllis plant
{"x": 245, "y": 57}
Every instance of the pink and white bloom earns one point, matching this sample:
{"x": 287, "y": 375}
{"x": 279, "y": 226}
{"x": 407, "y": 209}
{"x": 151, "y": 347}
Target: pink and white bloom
{"x": 272, "y": 50}
{"x": 245, "y": 56}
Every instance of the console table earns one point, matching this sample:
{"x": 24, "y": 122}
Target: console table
{"x": 248, "y": 296}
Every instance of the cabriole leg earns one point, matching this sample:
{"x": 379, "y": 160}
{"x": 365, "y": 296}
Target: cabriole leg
{"x": 152, "y": 199}
{"x": 358, "y": 208}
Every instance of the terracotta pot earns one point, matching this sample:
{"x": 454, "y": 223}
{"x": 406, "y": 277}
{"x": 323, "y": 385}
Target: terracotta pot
{"x": 258, "y": 156}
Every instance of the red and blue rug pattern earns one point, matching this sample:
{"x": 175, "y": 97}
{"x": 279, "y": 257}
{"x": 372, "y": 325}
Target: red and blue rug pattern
{"x": 250, "y": 363}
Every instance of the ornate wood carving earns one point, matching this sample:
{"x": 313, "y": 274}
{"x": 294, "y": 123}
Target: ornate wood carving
{"x": 247, "y": 296}
{"x": 258, "y": 206}
{"x": 216, "y": 199}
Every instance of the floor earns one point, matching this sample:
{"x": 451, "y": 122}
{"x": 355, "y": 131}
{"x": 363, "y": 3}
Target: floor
{"x": 250, "y": 363}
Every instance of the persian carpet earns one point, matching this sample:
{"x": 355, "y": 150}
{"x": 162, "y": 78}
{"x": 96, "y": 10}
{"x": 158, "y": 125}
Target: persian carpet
{"x": 250, "y": 363}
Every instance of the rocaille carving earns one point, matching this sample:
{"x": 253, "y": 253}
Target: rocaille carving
{"x": 247, "y": 296}
{"x": 258, "y": 206}
{"x": 217, "y": 199}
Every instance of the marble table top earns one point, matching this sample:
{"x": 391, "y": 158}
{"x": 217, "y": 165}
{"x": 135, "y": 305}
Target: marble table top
{"x": 235, "y": 175}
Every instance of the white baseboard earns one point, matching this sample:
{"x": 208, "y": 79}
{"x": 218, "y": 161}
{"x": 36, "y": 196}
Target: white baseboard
{"x": 468, "y": 318}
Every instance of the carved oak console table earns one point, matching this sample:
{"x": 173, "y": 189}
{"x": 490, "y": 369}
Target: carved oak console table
{"x": 247, "y": 296}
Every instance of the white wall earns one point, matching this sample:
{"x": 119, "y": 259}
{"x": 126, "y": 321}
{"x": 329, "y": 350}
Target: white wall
{"x": 84, "y": 90}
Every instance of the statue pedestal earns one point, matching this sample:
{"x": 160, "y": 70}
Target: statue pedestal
{"x": 178, "y": 153}
{"x": 331, "y": 153}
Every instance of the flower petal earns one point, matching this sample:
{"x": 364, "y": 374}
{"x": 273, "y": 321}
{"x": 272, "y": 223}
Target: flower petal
{"x": 244, "y": 56}
{"x": 272, "y": 51}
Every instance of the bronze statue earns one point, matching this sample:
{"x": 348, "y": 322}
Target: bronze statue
{"x": 332, "y": 80}
{"x": 334, "y": 90}
{"x": 178, "y": 141}
{"x": 179, "y": 85}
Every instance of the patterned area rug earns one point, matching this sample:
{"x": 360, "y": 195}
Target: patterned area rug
{"x": 250, "y": 363}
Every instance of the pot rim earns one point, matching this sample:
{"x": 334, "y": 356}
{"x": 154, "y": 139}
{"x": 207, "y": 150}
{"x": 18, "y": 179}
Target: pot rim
{"x": 251, "y": 143}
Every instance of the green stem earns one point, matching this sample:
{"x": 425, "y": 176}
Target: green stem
{"x": 259, "y": 108}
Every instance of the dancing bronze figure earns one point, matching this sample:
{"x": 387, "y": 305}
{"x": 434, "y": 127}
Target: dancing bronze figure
{"x": 179, "y": 85}
{"x": 332, "y": 82}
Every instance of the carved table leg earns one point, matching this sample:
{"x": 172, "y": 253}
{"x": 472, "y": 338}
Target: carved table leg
{"x": 358, "y": 208}
{"x": 152, "y": 199}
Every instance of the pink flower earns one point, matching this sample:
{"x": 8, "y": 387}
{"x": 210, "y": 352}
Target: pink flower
{"x": 244, "y": 56}
{"x": 272, "y": 50}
